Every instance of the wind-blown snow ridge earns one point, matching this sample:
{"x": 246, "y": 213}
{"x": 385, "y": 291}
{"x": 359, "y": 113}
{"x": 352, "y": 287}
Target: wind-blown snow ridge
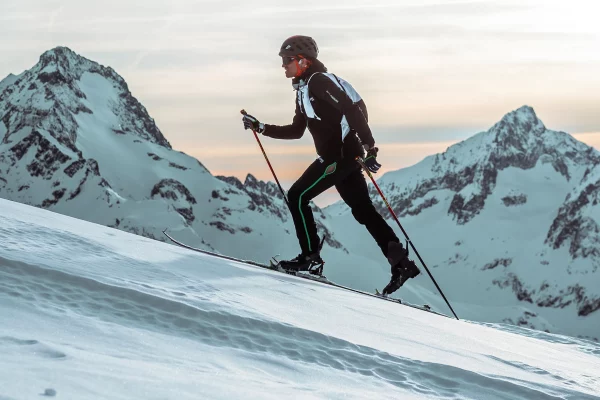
{"x": 45, "y": 289}
{"x": 195, "y": 326}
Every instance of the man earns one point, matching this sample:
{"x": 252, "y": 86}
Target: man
{"x": 336, "y": 116}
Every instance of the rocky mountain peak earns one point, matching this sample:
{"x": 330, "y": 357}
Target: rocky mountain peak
{"x": 62, "y": 85}
{"x": 524, "y": 118}
{"x": 62, "y": 57}
{"x": 470, "y": 168}
{"x": 519, "y": 131}
{"x": 62, "y": 64}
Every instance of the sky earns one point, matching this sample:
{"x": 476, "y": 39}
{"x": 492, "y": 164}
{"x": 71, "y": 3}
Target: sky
{"x": 432, "y": 73}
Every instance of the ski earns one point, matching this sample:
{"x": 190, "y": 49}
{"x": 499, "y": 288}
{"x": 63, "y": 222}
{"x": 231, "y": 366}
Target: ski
{"x": 309, "y": 276}
{"x": 210, "y": 253}
{"x": 424, "y": 307}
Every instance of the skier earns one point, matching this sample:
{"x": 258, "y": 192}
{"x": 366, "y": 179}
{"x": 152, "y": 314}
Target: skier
{"x": 336, "y": 116}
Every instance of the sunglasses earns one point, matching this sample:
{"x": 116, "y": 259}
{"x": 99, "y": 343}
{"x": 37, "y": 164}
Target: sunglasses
{"x": 287, "y": 60}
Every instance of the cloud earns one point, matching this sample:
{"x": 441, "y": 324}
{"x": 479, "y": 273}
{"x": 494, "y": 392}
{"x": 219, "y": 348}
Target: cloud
{"x": 431, "y": 72}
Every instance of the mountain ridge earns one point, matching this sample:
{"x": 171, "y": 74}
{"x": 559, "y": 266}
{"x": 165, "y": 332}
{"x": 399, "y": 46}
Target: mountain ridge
{"x": 511, "y": 211}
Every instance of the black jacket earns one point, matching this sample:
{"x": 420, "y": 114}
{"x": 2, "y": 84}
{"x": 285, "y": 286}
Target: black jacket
{"x": 330, "y": 103}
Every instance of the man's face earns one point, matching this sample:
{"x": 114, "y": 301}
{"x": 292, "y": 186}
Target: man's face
{"x": 290, "y": 66}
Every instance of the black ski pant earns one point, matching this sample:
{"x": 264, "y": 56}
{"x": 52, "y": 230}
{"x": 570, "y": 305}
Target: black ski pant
{"x": 346, "y": 175}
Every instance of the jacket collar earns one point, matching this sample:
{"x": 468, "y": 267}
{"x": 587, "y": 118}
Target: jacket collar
{"x": 301, "y": 82}
{"x": 317, "y": 66}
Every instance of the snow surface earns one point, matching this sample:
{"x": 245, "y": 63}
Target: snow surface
{"x": 92, "y": 312}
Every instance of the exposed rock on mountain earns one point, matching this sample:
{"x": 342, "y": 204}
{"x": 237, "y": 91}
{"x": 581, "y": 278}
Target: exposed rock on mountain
{"x": 578, "y": 219}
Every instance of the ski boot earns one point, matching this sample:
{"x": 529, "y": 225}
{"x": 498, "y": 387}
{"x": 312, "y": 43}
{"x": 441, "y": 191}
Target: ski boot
{"x": 402, "y": 267}
{"x": 312, "y": 263}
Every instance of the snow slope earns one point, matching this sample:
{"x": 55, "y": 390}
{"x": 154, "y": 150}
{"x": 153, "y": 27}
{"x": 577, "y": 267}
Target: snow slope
{"x": 89, "y": 311}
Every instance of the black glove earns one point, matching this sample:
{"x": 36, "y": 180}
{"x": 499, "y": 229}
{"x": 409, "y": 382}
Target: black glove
{"x": 371, "y": 160}
{"x": 252, "y": 123}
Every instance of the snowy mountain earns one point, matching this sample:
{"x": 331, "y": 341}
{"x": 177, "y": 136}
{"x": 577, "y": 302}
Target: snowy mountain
{"x": 76, "y": 141}
{"x": 508, "y": 219}
{"x": 90, "y": 312}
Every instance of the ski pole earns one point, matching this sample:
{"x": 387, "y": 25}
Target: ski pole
{"x": 268, "y": 162}
{"x": 362, "y": 164}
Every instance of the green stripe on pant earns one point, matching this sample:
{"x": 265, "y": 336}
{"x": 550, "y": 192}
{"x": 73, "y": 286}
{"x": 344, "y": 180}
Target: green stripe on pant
{"x": 328, "y": 171}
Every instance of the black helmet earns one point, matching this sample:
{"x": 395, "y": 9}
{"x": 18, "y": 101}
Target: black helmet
{"x": 299, "y": 44}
